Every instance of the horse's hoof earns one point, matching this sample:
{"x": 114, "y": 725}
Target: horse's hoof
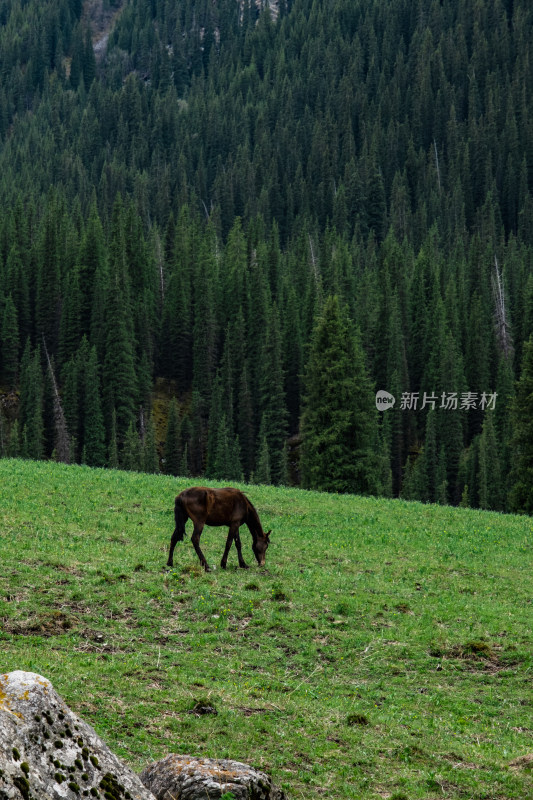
{"x": 170, "y": 563}
{"x": 222, "y": 565}
{"x": 244, "y": 566}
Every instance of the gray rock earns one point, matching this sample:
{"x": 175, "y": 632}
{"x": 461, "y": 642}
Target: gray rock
{"x": 48, "y": 753}
{"x": 179, "y": 777}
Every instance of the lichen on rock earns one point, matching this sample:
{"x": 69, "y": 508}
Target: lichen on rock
{"x": 41, "y": 759}
{"x": 189, "y": 778}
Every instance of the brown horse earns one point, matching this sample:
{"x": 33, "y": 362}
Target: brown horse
{"x": 218, "y": 507}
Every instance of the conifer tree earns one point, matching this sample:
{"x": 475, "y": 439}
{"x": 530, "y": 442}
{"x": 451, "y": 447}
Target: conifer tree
{"x": 442, "y": 480}
{"x": 33, "y": 400}
{"x": 339, "y": 416}
{"x": 272, "y": 401}
{"x": 222, "y": 467}
{"x": 70, "y": 327}
{"x": 198, "y": 434}
{"x": 13, "y": 448}
{"x": 490, "y": 479}
{"x": 48, "y": 294}
{"x": 205, "y": 329}
{"x": 262, "y": 472}
{"x": 293, "y": 357}
{"x": 150, "y": 456}
{"x": 131, "y": 452}
{"x": 172, "y": 440}
{"x": 245, "y": 422}
{"x": 16, "y": 285}
{"x": 214, "y": 426}
{"x": 93, "y": 419}
{"x": 92, "y": 270}
{"x": 9, "y": 344}
{"x": 4, "y": 441}
{"x": 431, "y": 459}
{"x": 521, "y": 493}
{"x": 184, "y": 465}
{"x": 71, "y": 402}
{"x": 119, "y": 378}
{"x": 76, "y": 66}
{"x": 89, "y": 62}
{"x": 112, "y": 458}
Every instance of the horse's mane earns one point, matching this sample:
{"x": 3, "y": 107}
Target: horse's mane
{"x": 252, "y": 518}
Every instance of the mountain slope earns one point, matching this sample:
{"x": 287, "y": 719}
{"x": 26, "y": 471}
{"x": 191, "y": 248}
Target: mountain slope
{"x": 385, "y": 649}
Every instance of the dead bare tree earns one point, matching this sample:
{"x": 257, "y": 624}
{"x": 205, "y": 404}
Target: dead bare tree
{"x": 315, "y": 268}
{"x": 503, "y": 328}
{"x": 437, "y": 162}
{"x": 62, "y": 439}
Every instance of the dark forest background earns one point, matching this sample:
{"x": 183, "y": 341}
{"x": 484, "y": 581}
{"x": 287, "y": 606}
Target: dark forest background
{"x": 219, "y": 239}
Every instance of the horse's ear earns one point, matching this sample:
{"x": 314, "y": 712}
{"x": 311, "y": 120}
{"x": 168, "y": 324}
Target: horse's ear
{"x": 267, "y": 534}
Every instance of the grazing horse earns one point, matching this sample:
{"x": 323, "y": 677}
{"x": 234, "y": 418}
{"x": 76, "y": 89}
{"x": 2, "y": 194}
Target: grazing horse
{"x": 218, "y": 507}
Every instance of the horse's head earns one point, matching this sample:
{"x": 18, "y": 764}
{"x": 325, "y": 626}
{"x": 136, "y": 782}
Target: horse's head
{"x": 260, "y": 547}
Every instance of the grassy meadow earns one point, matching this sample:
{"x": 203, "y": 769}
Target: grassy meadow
{"x": 384, "y": 652}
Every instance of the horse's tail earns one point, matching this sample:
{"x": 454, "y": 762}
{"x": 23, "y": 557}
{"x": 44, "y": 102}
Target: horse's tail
{"x": 181, "y": 517}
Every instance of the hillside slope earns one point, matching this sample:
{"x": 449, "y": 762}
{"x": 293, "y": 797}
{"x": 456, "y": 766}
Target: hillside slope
{"x": 186, "y": 205}
{"x": 385, "y": 651}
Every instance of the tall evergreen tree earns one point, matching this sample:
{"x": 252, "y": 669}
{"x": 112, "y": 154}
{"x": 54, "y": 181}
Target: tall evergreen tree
{"x": 10, "y": 344}
{"x": 272, "y": 401}
{"x": 93, "y": 423}
{"x": 262, "y": 473}
{"x": 132, "y": 452}
{"x": 112, "y": 458}
{"x": 490, "y": 478}
{"x": 339, "y": 417}
{"x": 34, "y": 424}
{"x": 119, "y": 378}
{"x": 521, "y": 493}
{"x": 150, "y": 456}
{"x": 172, "y": 440}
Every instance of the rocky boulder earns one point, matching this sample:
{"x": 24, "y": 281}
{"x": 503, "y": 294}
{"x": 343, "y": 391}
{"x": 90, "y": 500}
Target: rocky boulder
{"x": 48, "y": 753}
{"x": 179, "y": 777}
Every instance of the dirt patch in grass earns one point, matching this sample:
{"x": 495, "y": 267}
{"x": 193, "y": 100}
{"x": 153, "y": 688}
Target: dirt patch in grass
{"x": 68, "y": 568}
{"x": 476, "y": 655}
{"x": 403, "y": 608}
{"x": 524, "y": 762}
{"x": 201, "y": 708}
{"x": 248, "y": 712}
{"x": 458, "y": 762}
{"x": 53, "y": 623}
{"x": 98, "y": 642}
{"x": 357, "y": 719}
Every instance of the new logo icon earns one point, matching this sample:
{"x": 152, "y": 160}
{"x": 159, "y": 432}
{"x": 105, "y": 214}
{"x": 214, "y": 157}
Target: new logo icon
{"x": 384, "y": 400}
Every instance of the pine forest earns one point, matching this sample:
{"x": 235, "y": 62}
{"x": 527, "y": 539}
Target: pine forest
{"x": 226, "y": 224}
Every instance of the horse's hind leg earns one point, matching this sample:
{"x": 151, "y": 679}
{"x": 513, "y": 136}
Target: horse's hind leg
{"x": 179, "y": 531}
{"x": 195, "y": 539}
{"x": 242, "y": 562}
{"x": 233, "y": 530}
{"x": 173, "y": 542}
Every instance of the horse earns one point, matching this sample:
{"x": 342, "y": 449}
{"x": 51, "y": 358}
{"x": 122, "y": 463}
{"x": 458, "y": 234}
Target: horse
{"x": 218, "y": 507}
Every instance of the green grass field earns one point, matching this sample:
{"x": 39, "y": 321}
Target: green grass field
{"x": 385, "y": 651}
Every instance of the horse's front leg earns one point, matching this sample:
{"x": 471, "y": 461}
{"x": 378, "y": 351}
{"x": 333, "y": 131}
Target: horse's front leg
{"x": 195, "y": 539}
{"x": 242, "y": 563}
{"x": 229, "y": 540}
